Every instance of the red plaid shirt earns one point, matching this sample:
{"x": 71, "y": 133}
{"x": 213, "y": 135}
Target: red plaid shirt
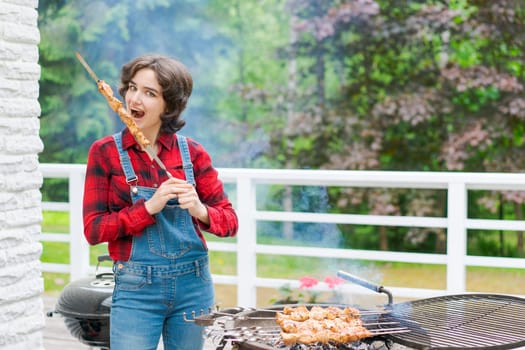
{"x": 109, "y": 214}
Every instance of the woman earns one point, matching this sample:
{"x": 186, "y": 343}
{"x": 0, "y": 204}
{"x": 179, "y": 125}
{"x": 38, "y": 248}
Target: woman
{"x": 152, "y": 222}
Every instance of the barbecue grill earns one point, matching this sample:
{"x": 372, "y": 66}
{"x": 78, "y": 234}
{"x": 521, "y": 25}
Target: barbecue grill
{"x": 85, "y": 305}
{"x": 452, "y": 322}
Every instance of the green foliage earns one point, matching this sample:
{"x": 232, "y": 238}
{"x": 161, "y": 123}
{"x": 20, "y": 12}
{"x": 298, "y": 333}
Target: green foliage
{"x": 64, "y": 87}
{"x": 55, "y": 190}
{"x": 251, "y": 90}
{"x": 108, "y": 34}
{"x": 475, "y": 100}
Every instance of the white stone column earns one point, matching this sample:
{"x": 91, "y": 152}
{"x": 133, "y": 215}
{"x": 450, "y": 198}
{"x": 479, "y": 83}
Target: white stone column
{"x": 21, "y": 284}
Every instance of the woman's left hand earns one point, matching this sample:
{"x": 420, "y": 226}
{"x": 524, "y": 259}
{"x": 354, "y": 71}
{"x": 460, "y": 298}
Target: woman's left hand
{"x": 189, "y": 199}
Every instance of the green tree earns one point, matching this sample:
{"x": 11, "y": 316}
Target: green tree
{"x": 107, "y": 34}
{"x": 423, "y": 85}
{"x": 66, "y": 96}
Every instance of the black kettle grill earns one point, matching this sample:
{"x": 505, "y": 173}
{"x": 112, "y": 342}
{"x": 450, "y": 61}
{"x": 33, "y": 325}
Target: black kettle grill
{"x": 85, "y": 305}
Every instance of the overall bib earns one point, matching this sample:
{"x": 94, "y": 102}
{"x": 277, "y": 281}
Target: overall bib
{"x": 166, "y": 275}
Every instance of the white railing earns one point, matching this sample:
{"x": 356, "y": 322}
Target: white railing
{"x": 456, "y": 223}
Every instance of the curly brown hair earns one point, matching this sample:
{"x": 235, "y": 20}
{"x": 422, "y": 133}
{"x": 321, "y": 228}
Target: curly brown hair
{"x": 175, "y": 80}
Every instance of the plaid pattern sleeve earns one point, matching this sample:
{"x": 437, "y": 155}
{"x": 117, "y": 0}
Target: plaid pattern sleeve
{"x": 223, "y": 219}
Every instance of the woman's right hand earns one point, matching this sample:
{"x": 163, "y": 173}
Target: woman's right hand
{"x": 169, "y": 189}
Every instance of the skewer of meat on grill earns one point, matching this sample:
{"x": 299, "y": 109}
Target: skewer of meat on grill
{"x": 320, "y": 325}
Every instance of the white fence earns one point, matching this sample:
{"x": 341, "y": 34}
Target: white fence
{"x": 456, "y": 223}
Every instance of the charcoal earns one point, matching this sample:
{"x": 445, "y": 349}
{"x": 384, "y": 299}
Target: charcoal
{"x": 378, "y": 345}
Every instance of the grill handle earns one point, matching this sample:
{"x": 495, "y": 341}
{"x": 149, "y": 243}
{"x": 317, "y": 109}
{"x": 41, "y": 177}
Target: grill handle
{"x": 367, "y": 284}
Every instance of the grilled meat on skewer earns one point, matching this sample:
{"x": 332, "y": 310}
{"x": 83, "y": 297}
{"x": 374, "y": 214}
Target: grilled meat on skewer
{"x": 320, "y": 325}
{"x": 116, "y": 105}
{"x": 325, "y": 337}
{"x": 301, "y": 313}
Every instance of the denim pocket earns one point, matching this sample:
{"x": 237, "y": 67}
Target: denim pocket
{"x": 129, "y": 281}
{"x": 205, "y": 274}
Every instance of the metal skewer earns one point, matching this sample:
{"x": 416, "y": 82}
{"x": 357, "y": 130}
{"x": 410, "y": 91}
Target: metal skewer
{"x": 361, "y": 312}
{"x": 389, "y": 331}
{"x": 86, "y": 66}
{"x": 153, "y": 155}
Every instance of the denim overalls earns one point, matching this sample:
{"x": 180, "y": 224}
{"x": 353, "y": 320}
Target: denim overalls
{"x": 167, "y": 274}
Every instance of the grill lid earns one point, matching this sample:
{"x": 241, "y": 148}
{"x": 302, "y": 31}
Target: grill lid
{"x": 87, "y": 298}
{"x": 473, "y": 321}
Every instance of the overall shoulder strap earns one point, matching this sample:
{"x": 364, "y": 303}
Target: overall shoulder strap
{"x": 187, "y": 165}
{"x": 125, "y": 162}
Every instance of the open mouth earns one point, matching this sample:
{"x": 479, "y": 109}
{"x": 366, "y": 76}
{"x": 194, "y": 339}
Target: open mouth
{"x": 137, "y": 114}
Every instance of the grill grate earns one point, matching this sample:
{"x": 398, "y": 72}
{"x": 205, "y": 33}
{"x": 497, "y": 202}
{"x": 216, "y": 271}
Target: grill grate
{"x": 473, "y": 321}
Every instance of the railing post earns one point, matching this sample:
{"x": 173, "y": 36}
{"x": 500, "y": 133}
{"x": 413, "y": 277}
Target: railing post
{"x": 78, "y": 246}
{"x": 456, "y": 237}
{"x": 246, "y": 243}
